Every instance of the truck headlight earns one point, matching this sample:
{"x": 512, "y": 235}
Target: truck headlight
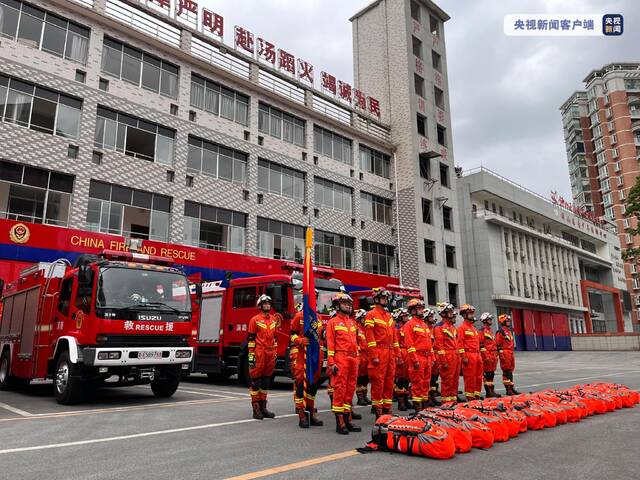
{"x": 183, "y": 353}
{"x": 109, "y": 355}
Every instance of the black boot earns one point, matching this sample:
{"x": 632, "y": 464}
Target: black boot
{"x": 341, "y": 426}
{"x": 433, "y": 402}
{"x": 350, "y": 426}
{"x": 362, "y": 401}
{"x": 257, "y": 411}
{"x": 311, "y": 411}
{"x": 303, "y": 421}
{"x": 355, "y": 415}
{"x": 266, "y": 413}
{"x": 402, "y": 402}
{"x": 417, "y": 406}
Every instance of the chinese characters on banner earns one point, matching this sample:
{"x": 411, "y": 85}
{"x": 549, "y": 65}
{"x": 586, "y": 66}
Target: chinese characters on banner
{"x": 212, "y": 24}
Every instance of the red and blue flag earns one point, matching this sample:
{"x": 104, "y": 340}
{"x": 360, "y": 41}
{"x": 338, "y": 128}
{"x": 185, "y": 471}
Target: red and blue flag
{"x": 309, "y": 311}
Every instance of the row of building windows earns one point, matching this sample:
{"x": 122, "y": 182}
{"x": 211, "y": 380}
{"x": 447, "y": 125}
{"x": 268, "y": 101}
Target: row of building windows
{"x": 432, "y": 293}
{"x": 427, "y": 214}
{"x": 430, "y": 255}
{"x": 41, "y": 196}
{"x": 425, "y": 170}
{"x": 542, "y": 288}
{"x": 56, "y": 35}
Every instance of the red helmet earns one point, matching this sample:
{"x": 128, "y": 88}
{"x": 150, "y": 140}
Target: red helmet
{"x": 341, "y": 297}
{"x": 466, "y": 308}
{"x": 414, "y": 303}
{"x": 502, "y": 319}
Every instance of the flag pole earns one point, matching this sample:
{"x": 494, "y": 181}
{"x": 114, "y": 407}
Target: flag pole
{"x": 305, "y": 308}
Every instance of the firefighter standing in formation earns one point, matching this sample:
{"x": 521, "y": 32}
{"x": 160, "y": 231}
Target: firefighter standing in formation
{"x": 304, "y": 401}
{"x": 418, "y": 339}
{"x": 363, "y": 365}
{"x": 401, "y": 384}
{"x": 383, "y": 350}
{"x": 262, "y": 346}
{"x": 469, "y": 340}
{"x": 504, "y": 343}
{"x": 489, "y": 354}
{"x": 342, "y": 362}
{"x": 448, "y": 353}
{"x": 430, "y": 319}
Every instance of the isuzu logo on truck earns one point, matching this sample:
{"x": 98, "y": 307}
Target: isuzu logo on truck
{"x": 149, "y": 318}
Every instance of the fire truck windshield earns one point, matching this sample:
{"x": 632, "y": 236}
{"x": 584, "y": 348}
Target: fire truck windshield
{"x": 326, "y": 288}
{"x": 121, "y": 288}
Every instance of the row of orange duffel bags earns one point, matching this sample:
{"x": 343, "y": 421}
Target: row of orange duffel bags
{"x": 441, "y": 432}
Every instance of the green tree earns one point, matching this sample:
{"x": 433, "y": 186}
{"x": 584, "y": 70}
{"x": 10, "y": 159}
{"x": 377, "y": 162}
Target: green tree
{"x": 633, "y": 210}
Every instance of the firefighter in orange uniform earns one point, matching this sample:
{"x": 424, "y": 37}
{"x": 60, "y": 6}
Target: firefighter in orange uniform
{"x": 505, "y": 345}
{"x": 383, "y": 350}
{"x": 262, "y": 346}
{"x": 447, "y": 351}
{"x": 401, "y": 386}
{"x": 342, "y": 362}
{"x": 469, "y": 340}
{"x": 363, "y": 365}
{"x": 430, "y": 319}
{"x": 489, "y": 354}
{"x": 419, "y": 343}
{"x": 304, "y": 402}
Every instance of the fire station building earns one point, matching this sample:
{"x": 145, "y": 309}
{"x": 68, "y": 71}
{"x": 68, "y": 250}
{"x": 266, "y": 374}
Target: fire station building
{"x": 155, "y": 119}
{"x": 558, "y": 274}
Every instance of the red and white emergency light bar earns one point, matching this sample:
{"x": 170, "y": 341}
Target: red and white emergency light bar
{"x": 136, "y": 257}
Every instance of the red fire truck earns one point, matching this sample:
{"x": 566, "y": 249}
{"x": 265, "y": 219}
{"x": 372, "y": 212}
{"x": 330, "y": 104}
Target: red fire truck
{"x": 400, "y": 296}
{"x": 220, "y": 347}
{"x": 117, "y": 318}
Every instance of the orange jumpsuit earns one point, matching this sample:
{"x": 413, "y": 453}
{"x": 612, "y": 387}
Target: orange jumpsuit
{"x": 401, "y": 387}
{"x": 418, "y": 340}
{"x": 504, "y": 344}
{"x": 382, "y": 343}
{"x": 469, "y": 340}
{"x": 448, "y": 355}
{"x": 342, "y": 351}
{"x": 263, "y": 346}
{"x": 363, "y": 364}
{"x": 488, "y": 350}
{"x": 297, "y": 357}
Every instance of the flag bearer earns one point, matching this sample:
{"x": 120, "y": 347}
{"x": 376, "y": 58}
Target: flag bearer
{"x": 363, "y": 365}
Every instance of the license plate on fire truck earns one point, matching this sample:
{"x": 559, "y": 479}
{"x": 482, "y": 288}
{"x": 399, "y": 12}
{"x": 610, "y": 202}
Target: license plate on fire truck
{"x": 149, "y": 355}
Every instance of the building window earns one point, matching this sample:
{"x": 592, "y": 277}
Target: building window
{"x": 47, "y": 32}
{"x": 447, "y": 218}
{"x": 444, "y": 178}
{"x": 39, "y": 108}
{"x": 430, "y": 251}
{"x": 418, "y": 83}
{"x": 436, "y": 61}
{"x": 415, "y": 11}
{"x": 214, "y": 228}
{"x": 432, "y": 292}
{"x": 218, "y": 100}
{"x": 274, "y": 178}
{"x": 426, "y": 211}
{"x": 332, "y": 195}
{"x": 438, "y": 98}
{"x": 34, "y": 195}
{"x": 442, "y": 136}
{"x": 422, "y": 125}
{"x": 278, "y": 124}
{"x": 453, "y": 293}
{"x": 280, "y": 240}
{"x": 425, "y": 166}
{"x": 417, "y": 47}
{"x": 376, "y": 208}
{"x": 134, "y": 137}
{"x": 434, "y": 27}
{"x": 450, "y": 251}
{"x": 332, "y": 145}
{"x": 378, "y": 258}
{"x": 216, "y": 161}
{"x": 375, "y": 162}
{"x": 128, "y": 212}
{"x": 139, "y": 68}
{"x": 334, "y": 250}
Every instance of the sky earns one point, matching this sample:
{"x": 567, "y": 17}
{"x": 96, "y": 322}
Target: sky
{"x": 505, "y": 92}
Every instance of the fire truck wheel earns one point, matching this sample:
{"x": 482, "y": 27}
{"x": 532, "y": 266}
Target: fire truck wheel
{"x": 67, "y": 385}
{"x": 5, "y": 368}
{"x": 165, "y": 387}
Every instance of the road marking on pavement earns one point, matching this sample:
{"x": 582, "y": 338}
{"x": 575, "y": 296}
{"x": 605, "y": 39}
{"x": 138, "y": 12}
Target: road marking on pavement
{"x": 296, "y": 466}
{"x": 193, "y": 392}
{"x": 215, "y": 390}
{"x": 570, "y": 380}
{"x": 140, "y": 435}
{"x": 22, "y": 413}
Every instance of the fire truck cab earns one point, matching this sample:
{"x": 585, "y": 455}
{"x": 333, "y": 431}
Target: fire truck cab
{"x": 119, "y": 318}
{"x": 400, "y": 296}
{"x": 220, "y": 346}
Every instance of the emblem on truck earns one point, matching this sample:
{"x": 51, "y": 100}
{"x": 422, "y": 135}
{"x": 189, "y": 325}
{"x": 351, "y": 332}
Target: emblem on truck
{"x": 19, "y": 233}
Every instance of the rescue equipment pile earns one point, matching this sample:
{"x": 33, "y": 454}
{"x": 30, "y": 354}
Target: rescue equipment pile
{"x": 441, "y": 432}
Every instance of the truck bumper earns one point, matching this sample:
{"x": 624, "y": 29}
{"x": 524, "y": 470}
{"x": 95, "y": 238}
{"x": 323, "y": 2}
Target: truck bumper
{"x": 136, "y": 356}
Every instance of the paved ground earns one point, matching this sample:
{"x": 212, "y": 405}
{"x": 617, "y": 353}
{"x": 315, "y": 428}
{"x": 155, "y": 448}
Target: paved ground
{"x": 205, "y": 432}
